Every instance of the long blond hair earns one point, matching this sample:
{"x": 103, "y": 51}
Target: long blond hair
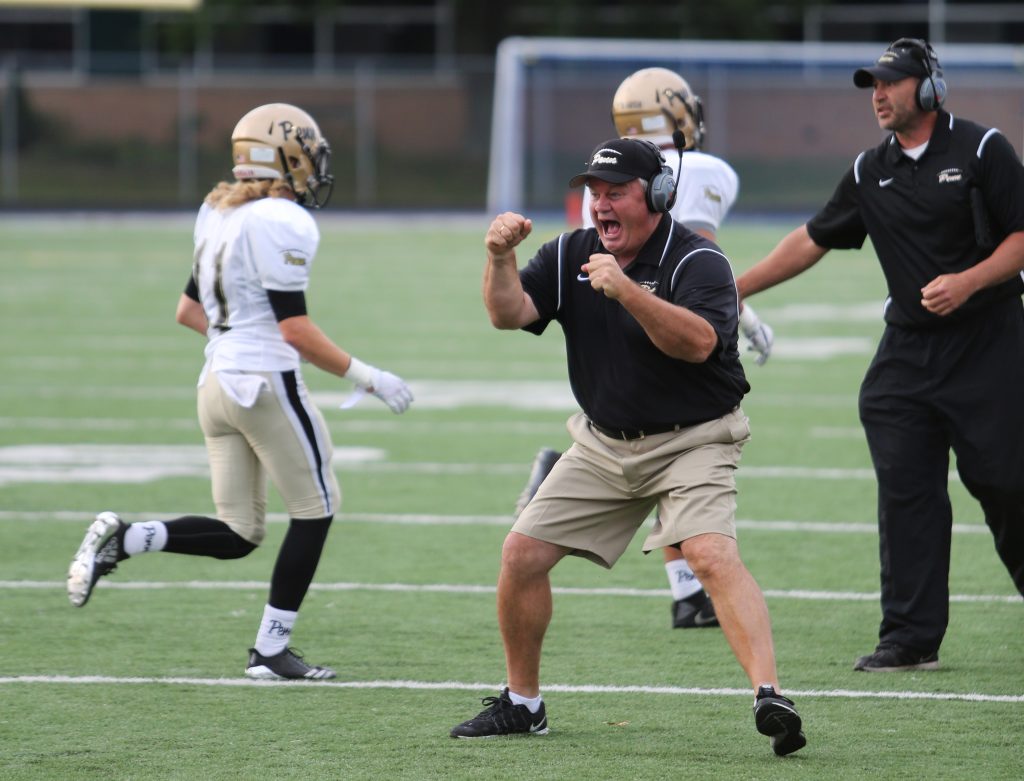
{"x": 227, "y": 195}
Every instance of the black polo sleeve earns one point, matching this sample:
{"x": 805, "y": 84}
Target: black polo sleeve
{"x": 704, "y": 284}
{"x": 1002, "y": 180}
{"x": 540, "y": 281}
{"x": 839, "y": 224}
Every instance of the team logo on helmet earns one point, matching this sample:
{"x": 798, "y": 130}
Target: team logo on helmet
{"x": 281, "y": 141}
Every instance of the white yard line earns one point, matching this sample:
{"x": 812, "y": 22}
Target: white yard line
{"x": 459, "y": 588}
{"x": 551, "y": 687}
{"x": 107, "y": 463}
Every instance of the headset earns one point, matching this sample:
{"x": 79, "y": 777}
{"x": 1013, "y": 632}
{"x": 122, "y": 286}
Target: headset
{"x": 661, "y": 188}
{"x": 931, "y": 91}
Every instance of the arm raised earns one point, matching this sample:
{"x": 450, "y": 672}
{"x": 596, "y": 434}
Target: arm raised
{"x": 508, "y": 305}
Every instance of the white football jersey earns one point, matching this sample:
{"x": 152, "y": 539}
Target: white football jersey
{"x": 240, "y": 254}
{"x": 708, "y": 187}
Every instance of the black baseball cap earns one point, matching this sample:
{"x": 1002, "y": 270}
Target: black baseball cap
{"x": 620, "y": 160}
{"x": 897, "y": 62}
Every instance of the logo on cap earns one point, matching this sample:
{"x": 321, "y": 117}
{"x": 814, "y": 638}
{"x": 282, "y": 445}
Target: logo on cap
{"x": 600, "y": 159}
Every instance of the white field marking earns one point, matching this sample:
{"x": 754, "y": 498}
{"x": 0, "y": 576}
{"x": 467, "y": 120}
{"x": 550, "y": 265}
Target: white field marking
{"x": 456, "y": 394}
{"x": 837, "y": 432}
{"x": 124, "y": 463}
{"x": 797, "y": 401}
{"x": 430, "y": 394}
{"x": 115, "y": 393}
{"x": 403, "y": 427}
{"x": 447, "y": 588}
{"x": 785, "y": 348}
{"x": 562, "y": 688}
{"x": 429, "y": 519}
{"x": 820, "y": 348}
{"x": 143, "y": 463}
{"x": 861, "y": 312}
{"x": 99, "y": 424}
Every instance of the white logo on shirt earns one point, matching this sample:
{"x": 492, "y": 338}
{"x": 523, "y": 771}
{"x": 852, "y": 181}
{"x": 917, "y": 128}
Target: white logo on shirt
{"x": 884, "y": 182}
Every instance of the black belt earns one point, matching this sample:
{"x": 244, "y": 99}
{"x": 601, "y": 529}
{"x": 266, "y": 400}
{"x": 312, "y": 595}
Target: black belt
{"x": 639, "y": 433}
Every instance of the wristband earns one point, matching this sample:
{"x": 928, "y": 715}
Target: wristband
{"x": 748, "y": 318}
{"x": 359, "y": 372}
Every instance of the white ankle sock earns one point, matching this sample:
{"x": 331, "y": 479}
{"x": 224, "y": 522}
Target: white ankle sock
{"x": 532, "y": 704}
{"x": 145, "y": 537}
{"x": 275, "y": 630}
{"x": 681, "y": 579}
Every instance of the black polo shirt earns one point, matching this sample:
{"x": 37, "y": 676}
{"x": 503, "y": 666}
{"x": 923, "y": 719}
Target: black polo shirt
{"x": 919, "y": 217}
{"x": 620, "y": 379}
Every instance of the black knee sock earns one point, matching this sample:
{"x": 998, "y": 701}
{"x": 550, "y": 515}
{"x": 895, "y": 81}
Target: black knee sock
{"x": 297, "y": 561}
{"x": 196, "y": 535}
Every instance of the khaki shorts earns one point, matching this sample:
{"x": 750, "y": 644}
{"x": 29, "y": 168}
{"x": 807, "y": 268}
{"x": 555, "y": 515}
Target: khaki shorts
{"x": 283, "y": 436}
{"x": 602, "y": 489}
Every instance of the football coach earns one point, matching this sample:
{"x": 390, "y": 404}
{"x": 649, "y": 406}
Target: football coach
{"x": 942, "y": 199}
{"x": 650, "y": 312}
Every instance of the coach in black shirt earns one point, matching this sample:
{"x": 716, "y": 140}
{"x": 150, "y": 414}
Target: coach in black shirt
{"x": 942, "y": 199}
{"x": 649, "y": 311}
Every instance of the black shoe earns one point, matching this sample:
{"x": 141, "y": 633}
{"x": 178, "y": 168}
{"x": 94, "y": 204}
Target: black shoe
{"x": 694, "y": 611}
{"x": 502, "y": 717}
{"x": 776, "y": 717}
{"x": 542, "y": 465}
{"x": 287, "y": 665}
{"x": 890, "y": 658}
{"x": 101, "y": 549}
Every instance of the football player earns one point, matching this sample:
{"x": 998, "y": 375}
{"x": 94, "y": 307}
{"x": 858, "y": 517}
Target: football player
{"x": 255, "y": 243}
{"x": 657, "y": 104}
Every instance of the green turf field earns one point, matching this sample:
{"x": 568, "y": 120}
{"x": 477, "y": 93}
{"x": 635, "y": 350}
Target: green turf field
{"x": 146, "y": 681}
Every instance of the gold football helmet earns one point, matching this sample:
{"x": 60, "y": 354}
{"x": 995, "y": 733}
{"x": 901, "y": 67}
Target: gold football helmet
{"x": 655, "y": 102}
{"x": 280, "y": 141}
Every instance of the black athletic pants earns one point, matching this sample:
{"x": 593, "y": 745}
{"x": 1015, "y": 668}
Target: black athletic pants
{"x": 958, "y": 386}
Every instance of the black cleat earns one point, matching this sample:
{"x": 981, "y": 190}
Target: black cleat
{"x": 502, "y": 717}
{"x": 101, "y": 549}
{"x": 694, "y": 612}
{"x": 542, "y": 464}
{"x": 891, "y": 658}
{"x": 776, "y": 717}
{"x": 285, "y": 666}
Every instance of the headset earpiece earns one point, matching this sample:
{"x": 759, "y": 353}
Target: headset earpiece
{"x": 661, "y": 187}
{"x": 931, "y": 90}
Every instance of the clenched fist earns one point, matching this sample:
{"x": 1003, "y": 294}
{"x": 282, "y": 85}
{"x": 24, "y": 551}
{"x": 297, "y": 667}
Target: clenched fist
{"x": 506, "y": 232}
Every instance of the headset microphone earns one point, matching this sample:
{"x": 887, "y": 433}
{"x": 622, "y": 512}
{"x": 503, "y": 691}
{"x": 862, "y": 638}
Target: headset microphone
{"x": 679, "y": 139}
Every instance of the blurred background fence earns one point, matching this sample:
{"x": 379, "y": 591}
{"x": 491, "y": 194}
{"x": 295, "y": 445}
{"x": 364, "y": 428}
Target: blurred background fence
{"x": 146, "y": 127}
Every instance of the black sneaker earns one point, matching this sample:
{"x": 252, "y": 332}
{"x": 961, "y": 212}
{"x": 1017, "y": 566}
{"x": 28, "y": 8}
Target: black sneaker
{"x": 502, "y": 717}
{"x": 776, "y": 717}
{"x": 694, "y": 611}
{"x": 101, "y": 549}
{"x": 891, "y": 658}
{"x": 542, "y": 465}
{"x": 285, "y": 666}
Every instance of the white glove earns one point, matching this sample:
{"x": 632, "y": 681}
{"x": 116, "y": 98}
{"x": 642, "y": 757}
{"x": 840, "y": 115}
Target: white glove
{"x": 387, "y": 387}
{"x": 392, "y": 390}
{"x": 760, "y": 334}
